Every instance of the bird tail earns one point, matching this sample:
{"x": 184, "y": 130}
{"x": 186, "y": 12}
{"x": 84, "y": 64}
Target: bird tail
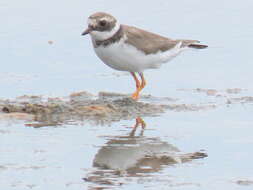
{"x": 197, "y": 46}
{"x": 192, "y": 44}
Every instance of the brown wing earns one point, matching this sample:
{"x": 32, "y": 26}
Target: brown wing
{"x": 146, "y": 41}
{"x": 151, "y": 43}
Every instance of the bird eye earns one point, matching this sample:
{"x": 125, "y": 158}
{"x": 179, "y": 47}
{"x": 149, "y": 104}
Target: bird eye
{"x": 102, "y": 23}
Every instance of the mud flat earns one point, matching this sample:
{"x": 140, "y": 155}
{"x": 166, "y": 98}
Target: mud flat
{"x": 105, "y": 108}
{"x": 108, "y": 107}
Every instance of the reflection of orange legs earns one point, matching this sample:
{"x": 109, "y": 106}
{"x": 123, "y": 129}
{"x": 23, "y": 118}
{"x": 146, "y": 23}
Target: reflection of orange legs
{"x": 139, "y": 86}
{"x": 138, "y": 122}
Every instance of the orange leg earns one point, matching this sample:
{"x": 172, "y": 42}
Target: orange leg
{"x": 139, "y": 86}
{"x": 143, "y": 81}
{"x": 135, "y": 95}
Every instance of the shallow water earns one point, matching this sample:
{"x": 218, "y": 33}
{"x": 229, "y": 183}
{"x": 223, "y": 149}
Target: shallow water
{"x": 43, "y": 53}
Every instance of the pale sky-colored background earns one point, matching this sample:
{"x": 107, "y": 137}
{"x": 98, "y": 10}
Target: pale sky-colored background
{"x": 29, "y": 65}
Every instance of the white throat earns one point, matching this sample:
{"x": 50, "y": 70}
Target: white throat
{"x": 97, "y": 35}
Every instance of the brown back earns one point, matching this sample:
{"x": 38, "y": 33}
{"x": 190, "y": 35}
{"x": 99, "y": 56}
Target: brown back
{"x": 146, "y": 41}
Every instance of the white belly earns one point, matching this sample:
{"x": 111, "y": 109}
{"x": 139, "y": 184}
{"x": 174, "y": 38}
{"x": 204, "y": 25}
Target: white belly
{"x": 125, "y": 57}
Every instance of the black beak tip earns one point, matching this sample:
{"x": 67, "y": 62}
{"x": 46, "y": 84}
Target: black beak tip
{"x": 87, "y": 31}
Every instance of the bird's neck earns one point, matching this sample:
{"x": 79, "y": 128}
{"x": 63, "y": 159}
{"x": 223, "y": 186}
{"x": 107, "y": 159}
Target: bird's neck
{"x": 114, "y": 38}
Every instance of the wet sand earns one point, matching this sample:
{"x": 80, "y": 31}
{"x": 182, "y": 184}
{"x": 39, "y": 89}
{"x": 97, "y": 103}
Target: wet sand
{"x": 108, "y": 107}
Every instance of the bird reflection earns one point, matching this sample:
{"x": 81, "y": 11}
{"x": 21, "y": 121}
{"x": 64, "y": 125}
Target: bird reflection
{"x": 138, "y": 122}
{"x": 135, "y": 156}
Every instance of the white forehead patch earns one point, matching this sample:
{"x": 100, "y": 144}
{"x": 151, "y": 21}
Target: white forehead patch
{"x": 108, "y": 19}
{"x": 91, "y": 22}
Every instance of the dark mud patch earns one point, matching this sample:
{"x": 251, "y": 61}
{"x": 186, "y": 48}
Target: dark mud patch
{"x": 80, "y": 106}
{"x": 216, "y": 92}
{"x": 191, "y": 107}
{"x": 242, "y": 100}
{"x": 109, "y": 107}
{"x": 244, "y": 182}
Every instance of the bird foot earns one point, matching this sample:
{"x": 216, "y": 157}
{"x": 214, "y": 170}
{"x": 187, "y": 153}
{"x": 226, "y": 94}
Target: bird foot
{"x": 136, "y": 95}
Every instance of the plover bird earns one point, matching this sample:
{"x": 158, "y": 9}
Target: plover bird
{"x": 127, "y": 48}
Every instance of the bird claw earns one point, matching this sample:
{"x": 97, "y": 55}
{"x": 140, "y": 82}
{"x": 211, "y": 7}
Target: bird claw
{"x": 136, "y": 95}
